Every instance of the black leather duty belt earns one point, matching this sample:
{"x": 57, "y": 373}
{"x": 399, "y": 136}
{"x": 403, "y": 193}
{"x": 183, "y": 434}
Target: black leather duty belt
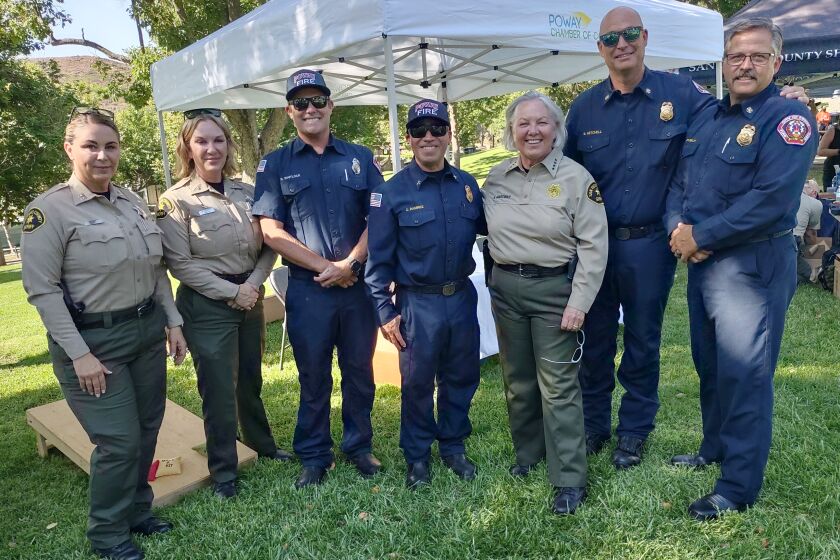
{"x": 533, "y": 270}
{"x": 625, "y": 233}
{"x": 778, "y": 234}
{"x": 447, "y": 289}
{"x": 235, "y": 278}
{"x": 107, "y": 319}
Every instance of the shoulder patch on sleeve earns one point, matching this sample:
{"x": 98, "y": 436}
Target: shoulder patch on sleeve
{"x": 794, "y": 129}
{"x": 261, "y": 166}
{"x": 164, "y": 208}
{"x": 700, "y": 88}
{"x": 34, "y": 219}
{"x": 375, "y": 199}
{"x": 593, "y": 194}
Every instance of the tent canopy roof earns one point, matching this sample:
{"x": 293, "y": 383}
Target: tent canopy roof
{"x": 457, "y": 50}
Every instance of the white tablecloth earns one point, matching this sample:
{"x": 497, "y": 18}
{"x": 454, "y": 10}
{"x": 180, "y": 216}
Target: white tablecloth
{"x": 489, "y": 344}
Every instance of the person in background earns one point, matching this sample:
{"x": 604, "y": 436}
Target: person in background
{"x": 213, "y": 245}
{"x": 423, "y": 225}
{"x": 544, "y": 213}
{"x": 823, "y": 118}
{"x": 312, "y": 200}
{"x": 93, "y": 267}
{"x": 829, "y": 148}
{"x": 731, "y": 208}
{"x": 805, "y": 232}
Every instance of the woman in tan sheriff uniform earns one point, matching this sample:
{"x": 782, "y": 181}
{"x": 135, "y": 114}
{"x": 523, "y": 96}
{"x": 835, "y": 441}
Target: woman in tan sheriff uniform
{"x": 213, "y": 245}
{"x": 543, "y": 209}
{"x": 92, "y": 266}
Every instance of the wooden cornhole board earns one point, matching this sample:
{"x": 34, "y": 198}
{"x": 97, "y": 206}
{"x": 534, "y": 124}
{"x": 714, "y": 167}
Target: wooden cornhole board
{"x": 386, "y": 363}
{"x": 56, "y": 426}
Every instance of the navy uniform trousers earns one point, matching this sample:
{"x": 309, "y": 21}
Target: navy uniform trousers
{"x": 442, "y": 346}
{"x": 737, "y": 300}
{"x": 320, "y": 319}
{"x": 639, "y": 277}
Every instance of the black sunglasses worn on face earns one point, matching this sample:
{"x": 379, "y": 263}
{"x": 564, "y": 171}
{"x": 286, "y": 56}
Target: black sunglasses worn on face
{"x": 420, "y": 131}
{"x": 91, "y": 111}
{"x": 301, "y": 103}
{"x": 630, "y": 34}
{"x": 193, "y": 113}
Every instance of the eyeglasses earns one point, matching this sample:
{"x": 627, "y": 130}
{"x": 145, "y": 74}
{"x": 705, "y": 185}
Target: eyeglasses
{"x": 420, "y": 131}
{"x": 630, "y": 34}
{"x": 757, "y": 59}
{"x": 81, "y": 110}
{"x": 193, "y": 113}
{"x": 301, "y": 103}
{"x": 577, "y": 355}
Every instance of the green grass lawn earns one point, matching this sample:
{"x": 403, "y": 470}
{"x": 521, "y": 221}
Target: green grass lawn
{"x": 637, "y": 514}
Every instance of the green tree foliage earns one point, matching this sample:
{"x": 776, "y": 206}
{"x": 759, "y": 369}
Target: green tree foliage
{"x": 33, "y": 112}
{"x": 24, "y": 24}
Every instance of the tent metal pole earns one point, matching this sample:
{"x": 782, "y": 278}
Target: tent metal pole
{"x": 390, "y": 83}
{"x": 164, "y": 152}
{"x": 719, "y": 79}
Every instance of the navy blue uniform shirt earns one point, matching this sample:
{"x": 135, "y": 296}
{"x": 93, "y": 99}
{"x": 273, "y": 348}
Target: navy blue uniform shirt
{"x": 631, "y": 143}
{"x": 742, "y": 170}
{"x": 422, "y": 232}
{"x": 322, "y": 200}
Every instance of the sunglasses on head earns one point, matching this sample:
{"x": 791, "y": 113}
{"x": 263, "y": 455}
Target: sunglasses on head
{"x": 301, "y": 103}
{"x": 91, "y": 111}
{"x": 630, "y": 34}
{"x": 420, "y": 131}
{"x": 193, "y": 113}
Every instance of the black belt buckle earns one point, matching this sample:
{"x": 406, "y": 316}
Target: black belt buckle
{"x": 524, "y": 272}
{"x": 145, "y": 308}
{"x": 449, "y": 288}
{"x": 622, "y": 233}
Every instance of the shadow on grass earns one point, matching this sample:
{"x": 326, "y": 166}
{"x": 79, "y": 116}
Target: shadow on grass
{"x": 10, "y": 275}
{"x": 34, "y": 360}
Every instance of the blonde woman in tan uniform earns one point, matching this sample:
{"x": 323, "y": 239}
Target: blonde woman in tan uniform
{"x": 92, "y": 266}
{"x": 543, "y": 210}
{"x": 213, "y": 245}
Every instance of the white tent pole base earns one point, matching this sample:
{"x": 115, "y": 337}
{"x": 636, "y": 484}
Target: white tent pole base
{"x": 164, "y": 152}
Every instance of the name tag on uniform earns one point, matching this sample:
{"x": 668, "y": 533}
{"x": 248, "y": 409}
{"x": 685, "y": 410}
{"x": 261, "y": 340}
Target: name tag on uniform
{"x": 95, "y": 222}
{"x": 206, "y": 211}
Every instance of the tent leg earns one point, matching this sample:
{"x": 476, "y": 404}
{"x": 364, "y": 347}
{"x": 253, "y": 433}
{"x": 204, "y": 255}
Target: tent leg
{"x": 391, "y": 84}
{"x": 164, "y": 152}
{"x": 719, "y": 79}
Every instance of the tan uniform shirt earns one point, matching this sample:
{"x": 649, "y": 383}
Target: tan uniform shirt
{"x": 809, "y": 214}
{"x": 108, "y": 253}
{"x": 544, "y": 216}
{"x": 207, "y": 233}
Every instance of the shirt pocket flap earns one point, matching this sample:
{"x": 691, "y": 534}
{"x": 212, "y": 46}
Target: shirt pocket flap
{"x": 668, "y": 132}
{"x": 354, "y": 183}
{"x": 291, "y": 187}
{"x": 209, "y": 222}
{"x": 416, "y": 218}
{"x": 741, "y": 155}
{"x": 593, "y": 142}
{"x": 99, "y": 233}
{"x": 688, "y": 149}
{"x": 469, "y": 211}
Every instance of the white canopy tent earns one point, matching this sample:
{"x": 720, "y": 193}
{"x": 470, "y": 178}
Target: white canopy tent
{"x": 377, "y": 52}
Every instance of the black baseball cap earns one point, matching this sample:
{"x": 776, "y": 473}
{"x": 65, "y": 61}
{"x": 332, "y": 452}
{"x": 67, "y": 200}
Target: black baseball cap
{"x": 305, "y": 78}
{"x": 427, "y": 109}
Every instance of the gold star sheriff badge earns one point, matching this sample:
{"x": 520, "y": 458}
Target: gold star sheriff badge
{"x": 468, "y": 193}
{"x": 666, "y": 111}
{"x": 745, "y": 137}
{"x": 553, "y": 190}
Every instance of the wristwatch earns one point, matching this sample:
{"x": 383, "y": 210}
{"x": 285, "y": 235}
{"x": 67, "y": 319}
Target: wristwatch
{"x": 355, "y": 266}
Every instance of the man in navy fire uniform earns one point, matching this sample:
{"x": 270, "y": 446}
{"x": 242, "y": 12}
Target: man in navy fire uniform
{"x": 731, "y": 209}
{"x": 423, "y": 224}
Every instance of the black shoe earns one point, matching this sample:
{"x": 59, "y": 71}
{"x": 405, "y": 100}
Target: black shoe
{"x": 152, "y": 526}
{"x": 567, "y": 500}
{"x": 418, "y": 475}
{"x": 311, "y": 476}
{"x": 628, "y": 452}
{"x": 595, "y": 442}
{"x": 366, "y": 464}
{"x": 279, "y": 455}
{"x": 460, "y": 465}
{"x": 225, "y": 490}
{"x": 711, "y": 506}
{"x": 521, "y": 470}
{"x": 123, "y": 551}
{"x": 694, "y": 461}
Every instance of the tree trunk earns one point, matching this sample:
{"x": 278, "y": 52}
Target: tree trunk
{"x": 12, "y": 248}
{"x": 456, "y": 145}
{"x": 253, "y": 143}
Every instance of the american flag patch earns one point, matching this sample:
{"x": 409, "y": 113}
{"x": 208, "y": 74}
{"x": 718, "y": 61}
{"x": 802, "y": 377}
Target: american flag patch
{"x": 261, "y": 166}
{"x": 375, "y": 199}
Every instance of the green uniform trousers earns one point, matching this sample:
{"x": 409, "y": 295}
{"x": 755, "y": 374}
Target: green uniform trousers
{"x": 122, "y": 423}
{"x": 543, "y": 397}
{"x": 227, "y": 348}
